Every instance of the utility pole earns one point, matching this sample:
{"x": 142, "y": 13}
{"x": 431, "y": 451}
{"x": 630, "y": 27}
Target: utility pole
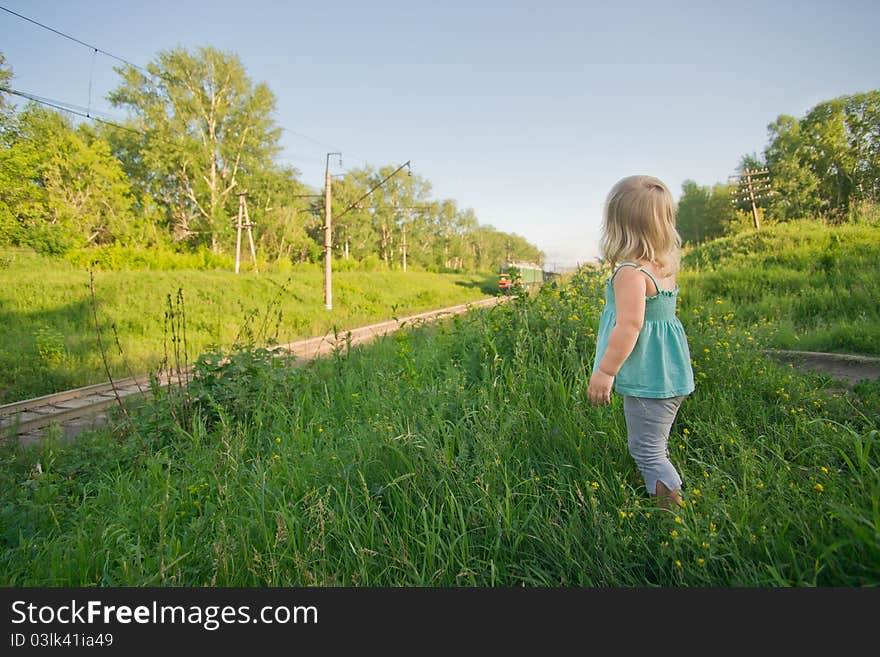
{"x": 752, "y": 185}
{"x": 403, "y": 237}
{"x": 243, "y": 213}
{"x": 328, "y": 236}
{"x": 407, "y": 215}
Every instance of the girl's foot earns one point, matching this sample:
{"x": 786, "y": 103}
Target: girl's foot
{"x": 666, "y": 497}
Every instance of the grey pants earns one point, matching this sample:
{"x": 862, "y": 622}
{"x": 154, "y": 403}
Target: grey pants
{"x": 648, "y": 422}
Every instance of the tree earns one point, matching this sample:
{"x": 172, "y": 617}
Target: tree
{"x": 795, "y": 184}
{"x": 827, "y": 162}
{"x": 692, "y": 215}
{"x": 281, "y": 216}
{"x": 206, "y": 131}
{"x": 5, "y": 79}
{"x": 705, "y": 212}
{"x": 13, "y": 164}
{"x": 64, "y": 189}
{"x": 353, "y": 234}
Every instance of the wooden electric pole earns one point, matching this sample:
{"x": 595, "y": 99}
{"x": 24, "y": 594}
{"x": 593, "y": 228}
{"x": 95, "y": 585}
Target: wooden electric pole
{"x": 403, "y": 244}
{"x": 243, "y": 214}
{"x": 328, "y": 236}
{"x": 752, "y": 185}
{"x": 403, "y": 222}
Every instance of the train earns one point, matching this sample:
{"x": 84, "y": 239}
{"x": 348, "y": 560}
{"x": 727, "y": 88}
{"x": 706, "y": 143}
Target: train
{"x": 519, "y": 275}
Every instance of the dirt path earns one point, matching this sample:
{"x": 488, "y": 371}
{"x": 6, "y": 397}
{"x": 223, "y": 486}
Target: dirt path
{"x": 848, "y": 368}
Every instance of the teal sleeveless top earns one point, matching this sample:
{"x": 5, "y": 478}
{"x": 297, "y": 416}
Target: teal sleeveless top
{"x": 660, "y": 363}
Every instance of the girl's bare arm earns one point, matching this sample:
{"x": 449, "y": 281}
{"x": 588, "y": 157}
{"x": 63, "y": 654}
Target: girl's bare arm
{"x": 629, "y": 299}
{"x": 630, "y": 288}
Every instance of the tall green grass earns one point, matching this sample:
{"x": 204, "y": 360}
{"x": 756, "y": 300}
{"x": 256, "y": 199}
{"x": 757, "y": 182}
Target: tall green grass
{"x": 49, "y": 342}
{"x": 462, "y": 454}
{"x": 817, "y": 283}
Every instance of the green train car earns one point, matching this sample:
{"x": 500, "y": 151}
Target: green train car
{"x": 513, "y": 275}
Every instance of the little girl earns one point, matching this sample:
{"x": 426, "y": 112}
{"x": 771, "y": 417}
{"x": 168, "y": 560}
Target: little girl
{"x": 641, "y": 347}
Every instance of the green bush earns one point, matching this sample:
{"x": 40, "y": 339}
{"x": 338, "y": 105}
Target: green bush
{"x": 118, "y": 258}
{"x": 51, "y": 240}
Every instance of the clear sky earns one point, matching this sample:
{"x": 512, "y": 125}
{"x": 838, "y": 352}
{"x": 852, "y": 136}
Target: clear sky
{"x": 527, "y": 112}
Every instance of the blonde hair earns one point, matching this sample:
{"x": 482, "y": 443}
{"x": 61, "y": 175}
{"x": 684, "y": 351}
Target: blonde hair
{"x": 639, "y": 224}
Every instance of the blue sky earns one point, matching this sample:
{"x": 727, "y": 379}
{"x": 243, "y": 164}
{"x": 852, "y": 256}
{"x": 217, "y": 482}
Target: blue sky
{"x": 527, "y": 112}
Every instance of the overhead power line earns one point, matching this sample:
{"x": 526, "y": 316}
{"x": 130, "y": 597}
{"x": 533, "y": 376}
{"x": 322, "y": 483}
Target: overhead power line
{"x": 57, "y": 104}
{"x": 74, "y": 39}
{"x": 373, "y": 189}
{"x": 64, "y": 107}
{"x": 87, "y": 111}
{"x": 96, "y": 49}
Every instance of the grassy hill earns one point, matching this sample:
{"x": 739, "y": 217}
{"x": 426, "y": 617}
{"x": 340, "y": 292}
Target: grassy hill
{"x": 50, "y": 342}
{"x": 808, "y": 285}
{"x": 466, "y": 454}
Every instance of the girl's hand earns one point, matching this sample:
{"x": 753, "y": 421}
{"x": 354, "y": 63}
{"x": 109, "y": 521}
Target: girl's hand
{"x": 599, "y": 390}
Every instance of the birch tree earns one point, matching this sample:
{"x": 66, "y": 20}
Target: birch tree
{"x": 203, "y": 127}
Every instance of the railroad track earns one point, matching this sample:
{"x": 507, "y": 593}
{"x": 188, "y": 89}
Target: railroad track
{"x": 74, "y": 410}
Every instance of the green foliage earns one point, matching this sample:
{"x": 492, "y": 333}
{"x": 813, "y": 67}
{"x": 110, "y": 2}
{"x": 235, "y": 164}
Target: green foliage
{"x": 209, "y": 126}
{"x": 118, "y": 258}
{"x": 234, "y": 385}
{"x": 62, "y": 189}
{"x": 828, "y": 162}
{"x": 795, "y": 184}
{"x": 439, "y": 235}
{"x": 705, "y": 213}
{"x": 5, "y": 79}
